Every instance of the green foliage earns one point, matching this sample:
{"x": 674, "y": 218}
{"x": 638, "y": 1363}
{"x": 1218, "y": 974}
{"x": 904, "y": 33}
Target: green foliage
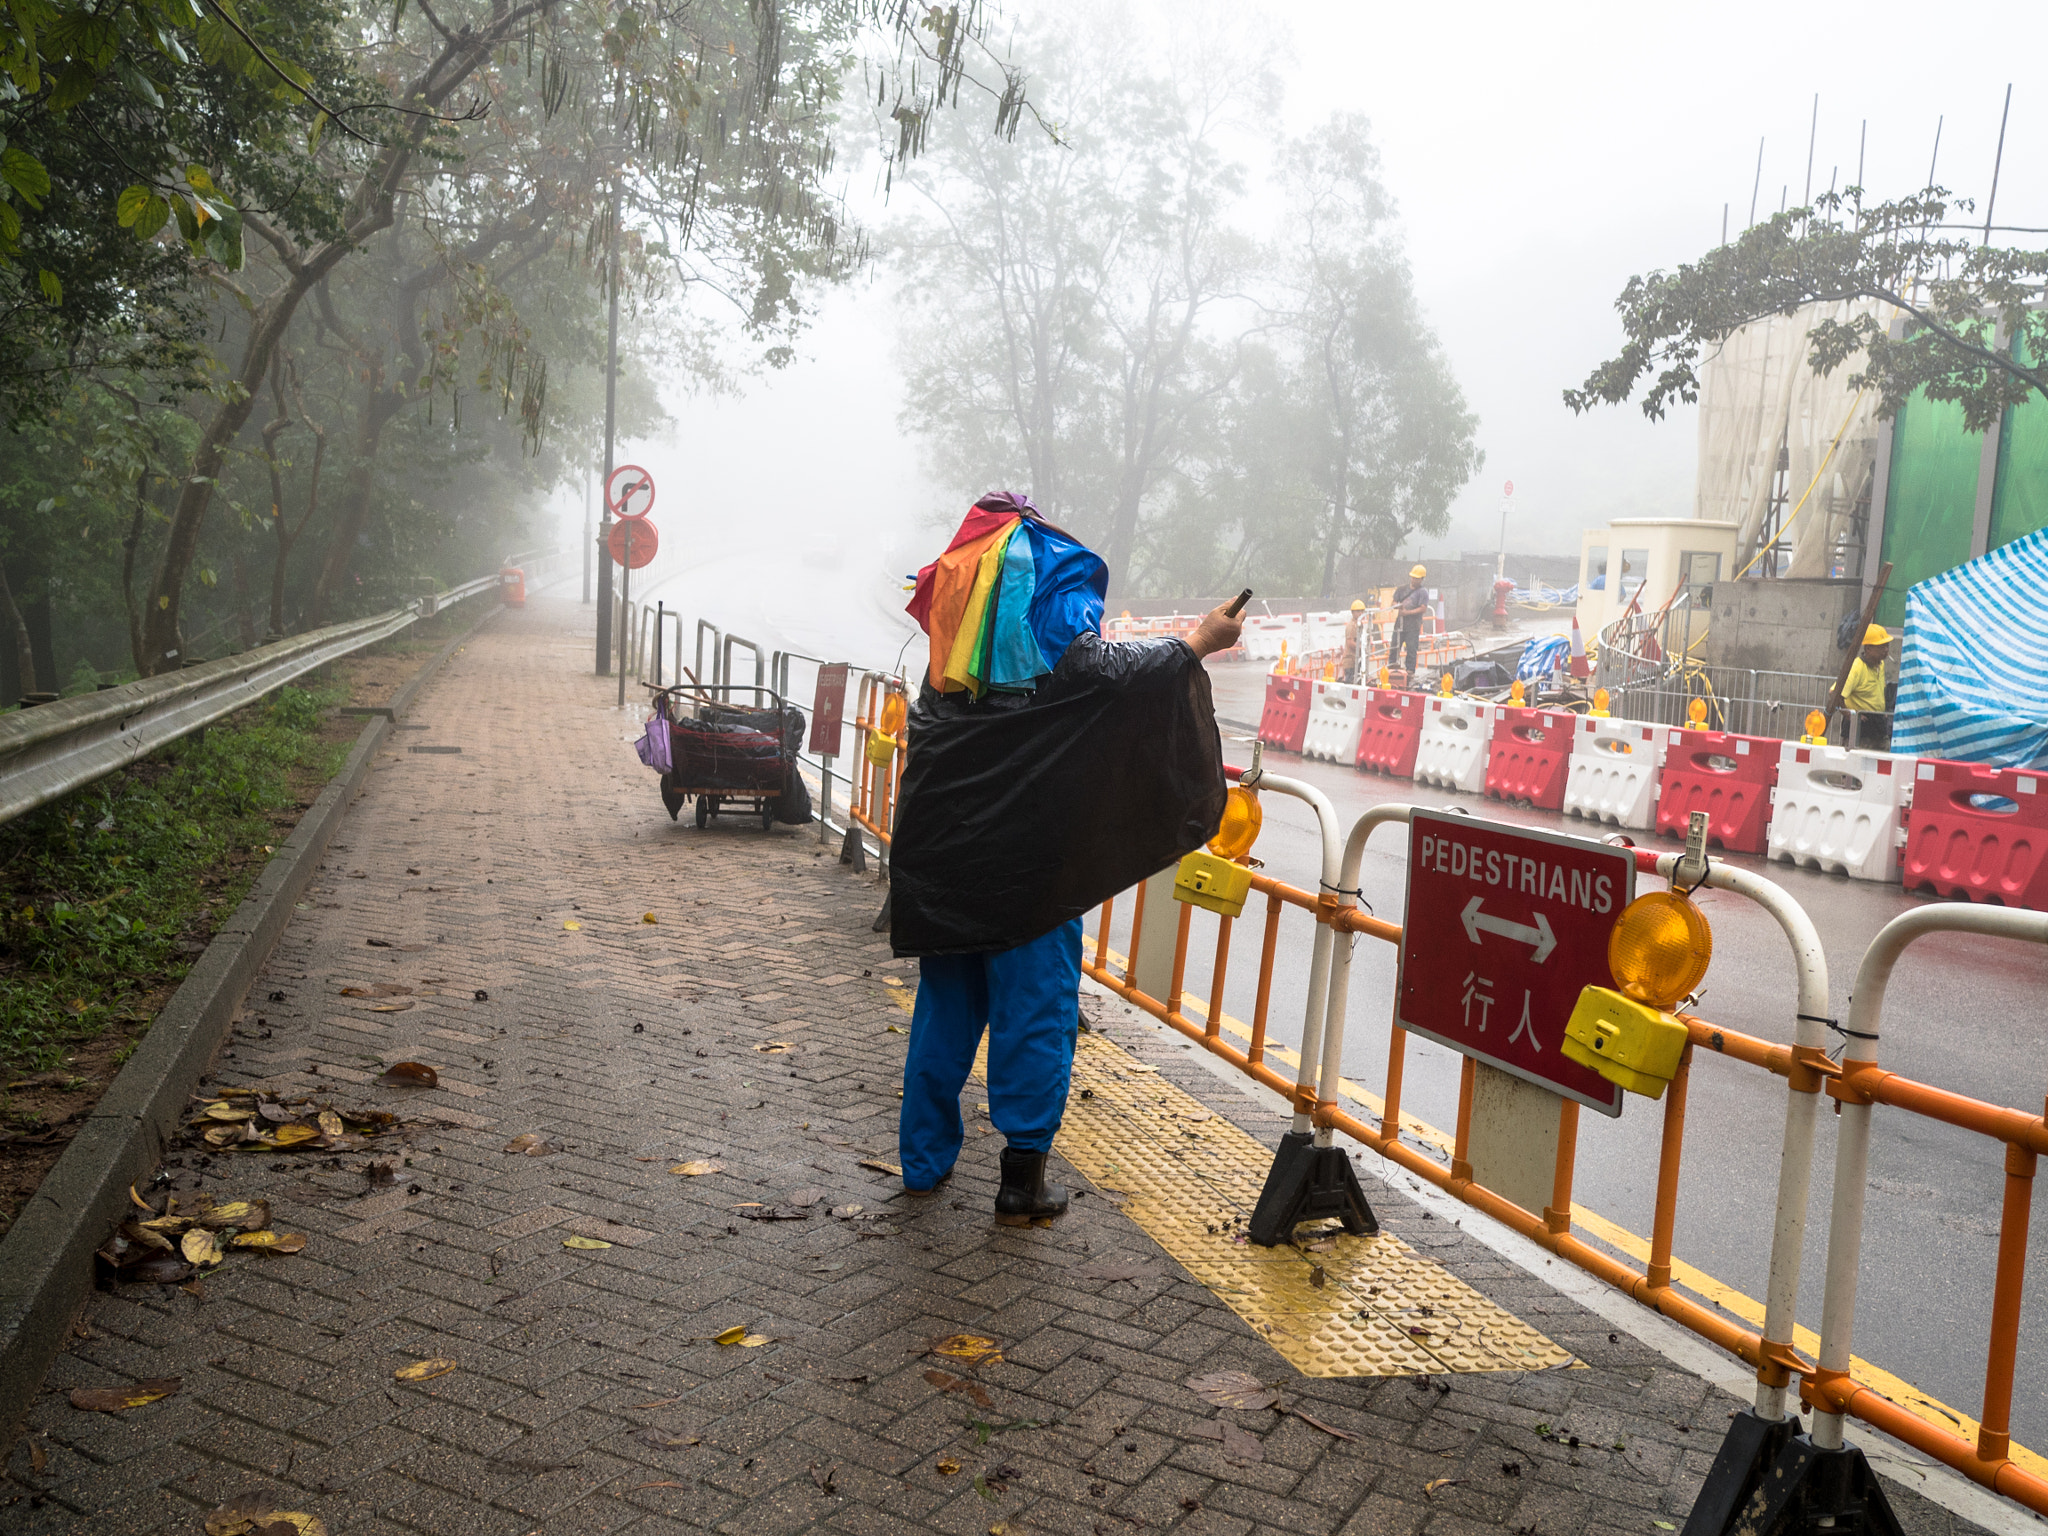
{"x": 100, "y": 889}
{"x": 1964, "y": 301}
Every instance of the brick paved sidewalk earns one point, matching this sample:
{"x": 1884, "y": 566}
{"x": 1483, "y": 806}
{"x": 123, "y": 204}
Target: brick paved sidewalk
{"x": 587, "y": 1393}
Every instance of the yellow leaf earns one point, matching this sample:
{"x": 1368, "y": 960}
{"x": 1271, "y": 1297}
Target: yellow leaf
{"x": 425, "y": 1370}
{"x": 572, "y": 924}
{"x": 233, "y": 1214}
{"x": 200, "y": 1247}
{"x": 228, "y": 1113}
{"x": 140, "y": 1201}
{"x": 691, "y": 1169}
{"x": 732, "y": 1335}
{"x": 971, "y": 1347}
{"x": 330, "y": 1122}
{"x": 583, "y": 1242}
{"x": 948, "y": 1467}
{"x": 755, "y": 1341}
{"x": 649, "y": 917}
{"x": 272, "y": 1242}
{"x": 292, "y": 1135}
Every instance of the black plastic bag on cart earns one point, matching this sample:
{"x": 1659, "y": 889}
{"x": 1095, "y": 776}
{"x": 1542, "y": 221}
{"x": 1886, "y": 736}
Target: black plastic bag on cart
{"x": 1020, "y": 811}
{"x": 793, "y": 809}
{"x": 732, "y": 750}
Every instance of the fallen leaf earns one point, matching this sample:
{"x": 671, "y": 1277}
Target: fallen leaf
{"x": 228, "y": 1113}
{"x": 330, "y": 1123}
{"x": 140, "y": 1201}
{"x": 894, "y": 1029}
{"x": 1664, "y": 1525}
{"x": 1317, "y": 1277}
{"x": 425, "y": 1370}
{"x": 293, "y": 1135}
{"x": 774, "y": 1047}
{"x": 158, "y": 1269}
{"x": 1199, "y": 1115}
{"x": 662, "y": 1440}
{"x": 1139, "y": 1066}
{"x": 239, "y": 1513}
{"x": 879, "y": 1166}
{"x": 38, "y": 1458}
{"x": 1233, "y": 1389}
{"x": 971, "y": 1347}
{"x": 806, "y": 1197}
{"x": 1241, "y": 1445}
{"x": 355, "y": 991}
{"x": 572, "y": 925}
{"x": 246, "y": 1214}
{"x": 1328, "y": 1429}
{"x": 200, "y": 1247}
{"x": 696, "y": 1166}
{"x": 1429, "y": 1489}
{"x": 580, "y": 1241}
{"x": 847, "y": 1212}
{"x": 823, "y": 1476}
{"x": 949, "y": 1383}
{"x": 948, "y": 1467}
{"x": 392, "y": 1008}
{"x": 1115, "y": 1269}
{"x": 115, "y": 1399}
{"x": 409, "y": 1074}
{"x": 272, "y": 1242}
{"x": 756, "y": 1212}
{"x": 380, "y": 1173}
{"x": 528, "y": 1144}
{"x": 756, "y": 1340}
{"x": 649, "y": 917}
{"x": 731, "y": 1335}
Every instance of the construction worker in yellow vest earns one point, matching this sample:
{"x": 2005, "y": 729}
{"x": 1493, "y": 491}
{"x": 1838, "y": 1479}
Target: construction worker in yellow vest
{"x": 1863, "y": 695}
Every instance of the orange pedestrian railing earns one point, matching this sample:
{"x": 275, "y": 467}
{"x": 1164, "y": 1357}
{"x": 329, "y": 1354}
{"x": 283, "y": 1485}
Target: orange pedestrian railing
{"x": 1830, "y": 1383}
{"x": 879, "y": 719}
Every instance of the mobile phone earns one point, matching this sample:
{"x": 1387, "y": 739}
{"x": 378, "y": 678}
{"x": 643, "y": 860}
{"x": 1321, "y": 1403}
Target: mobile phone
{"x": 1238, "y": 607}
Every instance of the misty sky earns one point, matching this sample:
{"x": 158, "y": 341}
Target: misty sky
{"x": 1539, "y": 157}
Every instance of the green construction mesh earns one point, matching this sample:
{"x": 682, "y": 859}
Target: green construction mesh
{"x": 2019, "y": 498}
{"x": 1931, "y": 498}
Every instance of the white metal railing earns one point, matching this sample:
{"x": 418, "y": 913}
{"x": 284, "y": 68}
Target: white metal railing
{"x": 48, "y": 751}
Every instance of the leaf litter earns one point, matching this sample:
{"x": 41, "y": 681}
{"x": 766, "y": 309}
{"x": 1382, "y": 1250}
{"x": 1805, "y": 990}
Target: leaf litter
{"x": 120, "y": 1399}
{"x": 1233, "y": 1389}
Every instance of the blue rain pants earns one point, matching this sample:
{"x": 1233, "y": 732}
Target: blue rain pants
{"x": 1029, "y": 1000}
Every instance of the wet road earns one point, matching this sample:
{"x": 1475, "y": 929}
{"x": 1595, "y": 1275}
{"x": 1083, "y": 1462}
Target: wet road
{"x": 1962, "y": 1013}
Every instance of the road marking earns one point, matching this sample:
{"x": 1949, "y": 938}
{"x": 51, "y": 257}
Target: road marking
{"x": 1356, "y": 1306}
{"x": 1921, "y": 1405}
{"x": 1539, "y": 938}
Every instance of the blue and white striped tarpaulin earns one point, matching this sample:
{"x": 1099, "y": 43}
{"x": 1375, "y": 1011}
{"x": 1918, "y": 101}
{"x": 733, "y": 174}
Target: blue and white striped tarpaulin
{"x": 1976, "y": 656}
{"x": 1544, "y": 655}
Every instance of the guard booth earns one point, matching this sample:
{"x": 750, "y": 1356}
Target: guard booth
{"x": 1653, "y": 557}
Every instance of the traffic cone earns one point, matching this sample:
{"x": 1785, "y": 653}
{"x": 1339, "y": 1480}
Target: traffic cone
{"x": 1579, "y": 668}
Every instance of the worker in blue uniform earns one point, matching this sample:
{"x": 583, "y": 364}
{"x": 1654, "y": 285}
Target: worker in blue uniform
{"x": 1021, "y": 808}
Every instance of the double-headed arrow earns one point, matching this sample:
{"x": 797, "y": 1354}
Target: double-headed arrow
{"x": 1539, "y": 938}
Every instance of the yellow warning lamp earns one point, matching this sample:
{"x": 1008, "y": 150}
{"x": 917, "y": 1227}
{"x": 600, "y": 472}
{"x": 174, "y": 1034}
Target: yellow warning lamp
{"x": 1600, "y": 700}
{"x": 1216, "y": 877}
{"x": 1443, "y": 688}
{"x": 1816, "y": 729}
{"x": 1329, "y": 671}
{"x": 1515, "y": 694}
{"x": 882, "y": 738}
{"x": 1658, "y": 950}
{"x": 1696, "y": 715}
{"x": 1387, "y": 678}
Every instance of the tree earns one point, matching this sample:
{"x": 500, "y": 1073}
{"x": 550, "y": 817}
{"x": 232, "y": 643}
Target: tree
{"x": 1966, "y": 302}
{"x": 1072, "y": 293}
{"x": 1397, "y": 439}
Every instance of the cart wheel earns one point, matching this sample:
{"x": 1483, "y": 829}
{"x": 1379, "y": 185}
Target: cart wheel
{"x": 767, "y": 815}
{"x": 703, "y": 810}
{"x": 671, "y": 797}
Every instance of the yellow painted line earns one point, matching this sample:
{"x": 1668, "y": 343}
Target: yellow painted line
{"x": 1920, "y": 1404}
{"x": 1344, "y": 1306}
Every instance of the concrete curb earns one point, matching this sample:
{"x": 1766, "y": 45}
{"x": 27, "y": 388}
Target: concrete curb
{"x": 46, "y": 1265}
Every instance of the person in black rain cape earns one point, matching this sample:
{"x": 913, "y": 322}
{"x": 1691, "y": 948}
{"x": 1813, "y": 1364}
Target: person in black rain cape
{"x": 1046, "y": 770}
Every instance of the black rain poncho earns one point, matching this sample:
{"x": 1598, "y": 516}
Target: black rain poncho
{"x": 1021, "y": 811}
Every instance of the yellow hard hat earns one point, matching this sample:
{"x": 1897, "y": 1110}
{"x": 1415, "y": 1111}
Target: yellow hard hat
{"x": 1877, "y": 634}
{"x": 1357, "y": 606}
{"x": 1420, "y": 571}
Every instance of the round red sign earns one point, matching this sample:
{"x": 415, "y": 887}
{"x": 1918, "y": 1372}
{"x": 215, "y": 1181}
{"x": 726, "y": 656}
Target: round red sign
{"x": 629, "y": 491}
{"x": 644, "y": 542}
{"x": 1506, "y": 490}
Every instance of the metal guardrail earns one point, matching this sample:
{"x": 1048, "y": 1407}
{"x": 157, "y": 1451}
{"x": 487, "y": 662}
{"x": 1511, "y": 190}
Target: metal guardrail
{"x": 51, "y": 750}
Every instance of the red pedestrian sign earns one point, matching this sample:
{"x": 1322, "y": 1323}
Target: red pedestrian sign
{"x": 828, "y": 709}
{"x": 1504, "y": 927}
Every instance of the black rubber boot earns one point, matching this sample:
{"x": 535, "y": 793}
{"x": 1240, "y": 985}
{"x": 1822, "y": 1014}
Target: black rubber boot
{"x": 1025, "y": 1196}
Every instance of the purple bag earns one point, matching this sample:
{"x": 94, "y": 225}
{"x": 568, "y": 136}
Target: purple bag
{"x": 654, "y": 743}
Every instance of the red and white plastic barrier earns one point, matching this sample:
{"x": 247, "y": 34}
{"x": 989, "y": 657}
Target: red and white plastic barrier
{"x": 1726, "y": 775}
{"x": 1528, "y": 755}
{"x": 1978, "y": 833}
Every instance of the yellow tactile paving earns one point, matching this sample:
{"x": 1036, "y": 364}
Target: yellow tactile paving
{"x": 1189, "y": 1179}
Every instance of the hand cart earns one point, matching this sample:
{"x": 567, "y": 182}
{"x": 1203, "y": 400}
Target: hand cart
{"x": 733, "y": 759}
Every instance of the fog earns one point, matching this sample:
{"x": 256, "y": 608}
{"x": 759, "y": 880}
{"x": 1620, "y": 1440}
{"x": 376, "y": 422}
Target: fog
{"x": 1539, "y": 159}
